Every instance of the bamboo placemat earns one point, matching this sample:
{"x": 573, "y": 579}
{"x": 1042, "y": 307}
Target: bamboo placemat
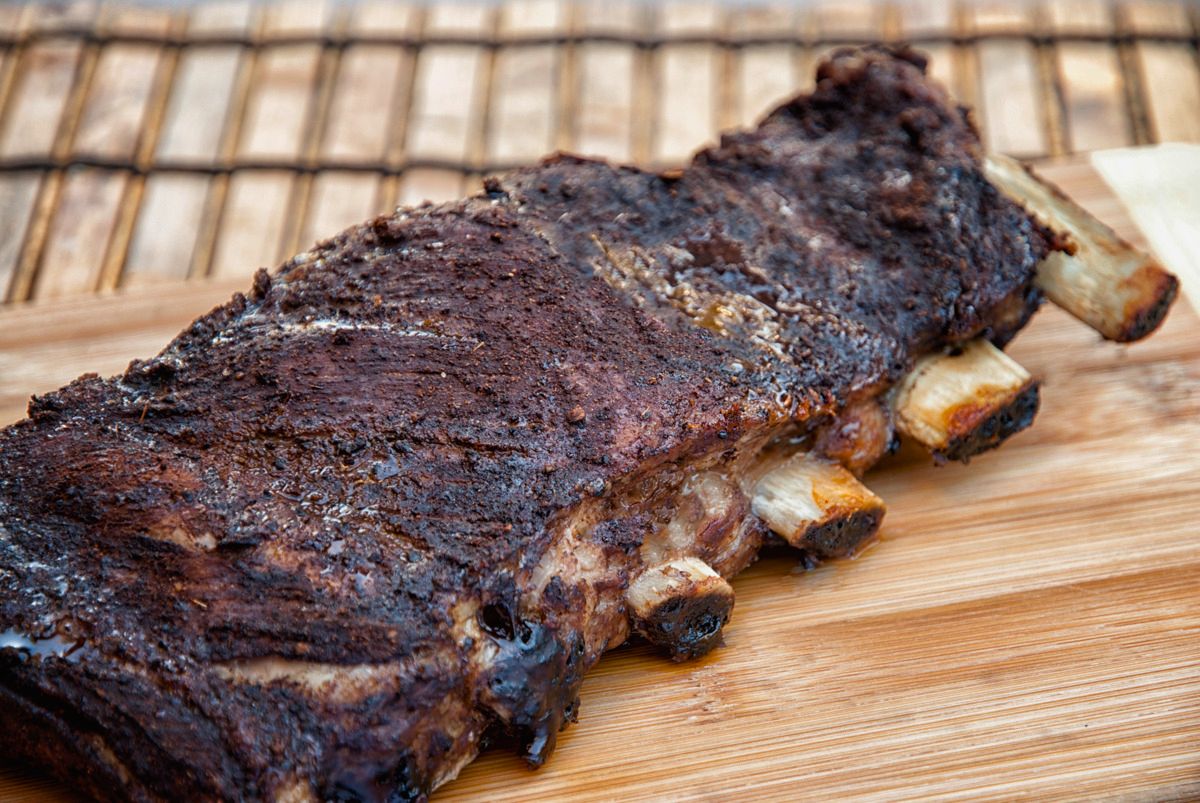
{"x": 150, "y": 144}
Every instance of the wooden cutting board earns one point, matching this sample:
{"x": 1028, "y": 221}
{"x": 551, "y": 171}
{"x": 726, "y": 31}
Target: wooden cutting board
{"x": 1027, "y": 627}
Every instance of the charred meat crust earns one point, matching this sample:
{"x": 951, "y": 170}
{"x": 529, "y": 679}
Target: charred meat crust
{"x": 298, "y": 547}
{"x": 37, "y": 736}
{"x": 804, "y": 235}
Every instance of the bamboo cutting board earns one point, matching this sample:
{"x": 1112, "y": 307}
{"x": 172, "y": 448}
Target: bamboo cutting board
{"x": 1027, "y": 627}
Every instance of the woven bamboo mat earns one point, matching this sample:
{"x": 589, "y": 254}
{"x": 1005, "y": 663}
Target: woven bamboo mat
{"x": 150, "y": 144}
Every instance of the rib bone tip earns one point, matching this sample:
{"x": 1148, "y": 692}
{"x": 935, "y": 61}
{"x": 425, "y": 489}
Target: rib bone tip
{"x": 817, "y": 506}
{"x": 681, "y": 606}
{"x": 1121, "y": 292}
{"x": 960, "y": 403}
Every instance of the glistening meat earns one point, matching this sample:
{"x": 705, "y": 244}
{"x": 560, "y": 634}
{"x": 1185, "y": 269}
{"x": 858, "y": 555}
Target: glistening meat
{"x": 398, "y": 499}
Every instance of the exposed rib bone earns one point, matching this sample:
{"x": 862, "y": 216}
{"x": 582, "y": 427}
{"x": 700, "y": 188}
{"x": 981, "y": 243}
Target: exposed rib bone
{"x": 680, "y": 605}
{"x": 1108, "y": 284}
{"x": 966, "y": 401}
{"x": 817, "y": 506}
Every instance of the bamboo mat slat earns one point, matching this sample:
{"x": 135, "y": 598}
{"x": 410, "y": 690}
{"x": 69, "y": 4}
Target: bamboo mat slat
{"x": 1093, "y": 90}
{"x": 522, "y": 124}
{"x": 764, "y": 75}
{"x": 18, "y": 200}
{"x": 47, "y": 73}
{"x": 369, "y": 78}
{"x": 281, "y": 107}
{"x": 448, "y": 100}
{"x": 1168, "y": 69}
{"x": 142, "y": 145}
{"x": 687, "y": 77}
{"x": 922, "y": 19}
{"x": 604, "y": 82}
{"x": 202, "y": 81}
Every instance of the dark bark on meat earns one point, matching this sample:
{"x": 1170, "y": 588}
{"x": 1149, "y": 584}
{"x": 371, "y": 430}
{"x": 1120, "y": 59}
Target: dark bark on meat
{"x": 363, "y": 462}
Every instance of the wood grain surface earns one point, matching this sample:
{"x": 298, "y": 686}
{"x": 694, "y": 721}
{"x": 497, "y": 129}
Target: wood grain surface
{"x": 1027, "y": 626}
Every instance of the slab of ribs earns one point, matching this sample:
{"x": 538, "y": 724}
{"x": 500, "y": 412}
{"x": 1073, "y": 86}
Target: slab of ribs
{"x": 389, "y": 506}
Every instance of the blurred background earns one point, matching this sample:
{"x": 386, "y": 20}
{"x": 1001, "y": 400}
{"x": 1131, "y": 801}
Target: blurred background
{"x": 152, "y": 143}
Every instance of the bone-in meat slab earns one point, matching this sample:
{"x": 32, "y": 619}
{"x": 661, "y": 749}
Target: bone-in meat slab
{"x": 394, "y": 502}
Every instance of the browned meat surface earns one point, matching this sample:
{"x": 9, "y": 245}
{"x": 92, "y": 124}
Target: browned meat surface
{"x": 389, "y": 502}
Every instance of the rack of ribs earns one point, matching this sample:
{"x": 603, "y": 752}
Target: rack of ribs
{"x": 391, "y": 505}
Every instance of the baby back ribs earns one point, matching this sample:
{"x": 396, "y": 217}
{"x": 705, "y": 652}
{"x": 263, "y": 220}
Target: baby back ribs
{"x": 397, "y": 499}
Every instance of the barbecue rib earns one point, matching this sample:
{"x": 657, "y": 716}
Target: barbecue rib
{"x": 400, "y": 497}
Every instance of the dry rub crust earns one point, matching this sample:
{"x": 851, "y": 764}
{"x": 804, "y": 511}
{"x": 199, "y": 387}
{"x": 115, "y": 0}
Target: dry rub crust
{"x": 312, "y": 548}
